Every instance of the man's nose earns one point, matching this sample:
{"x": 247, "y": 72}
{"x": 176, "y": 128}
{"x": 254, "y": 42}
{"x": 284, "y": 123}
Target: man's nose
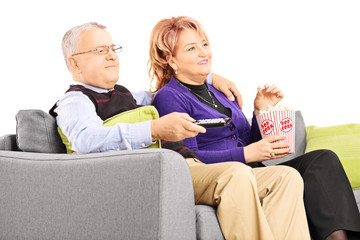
{"x": 111, "y": 55}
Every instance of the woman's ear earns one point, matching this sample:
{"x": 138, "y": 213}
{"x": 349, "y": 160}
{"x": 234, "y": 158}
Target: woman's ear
{"x": 172, "y": 62}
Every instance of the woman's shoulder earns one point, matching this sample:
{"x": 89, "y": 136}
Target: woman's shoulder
{"x": 169, "y": 91}
{"x": 170, "y": 99}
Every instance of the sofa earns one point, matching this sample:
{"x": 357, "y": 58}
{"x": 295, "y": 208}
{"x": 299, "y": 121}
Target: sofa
{"x": 138, "y": 194}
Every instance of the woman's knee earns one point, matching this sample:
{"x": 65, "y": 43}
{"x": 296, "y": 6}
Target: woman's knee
{"x": 239, "y": 171}
{"x": 293, "y": 178}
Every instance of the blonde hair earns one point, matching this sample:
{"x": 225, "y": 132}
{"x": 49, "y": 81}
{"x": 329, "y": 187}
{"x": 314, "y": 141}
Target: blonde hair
{"x": 163, "y": 41}
{"x": 70, "y": 41}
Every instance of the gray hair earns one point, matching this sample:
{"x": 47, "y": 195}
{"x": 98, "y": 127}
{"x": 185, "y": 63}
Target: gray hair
{"x": 70, "y": 41}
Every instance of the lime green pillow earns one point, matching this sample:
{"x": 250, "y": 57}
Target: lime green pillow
{"x": 344, "y": 140}
{"x": 140, "y": 114}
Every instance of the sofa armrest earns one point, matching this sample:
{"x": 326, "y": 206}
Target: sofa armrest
{"x": 139, "y": 194}
{"x": 8, "y": 143}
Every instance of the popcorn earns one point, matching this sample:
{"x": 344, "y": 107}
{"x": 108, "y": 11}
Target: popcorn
{"x": 276, "y": 108}
{"x": 278, "y": 121}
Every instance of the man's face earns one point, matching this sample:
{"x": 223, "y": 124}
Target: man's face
{"x": 95, "y": 69}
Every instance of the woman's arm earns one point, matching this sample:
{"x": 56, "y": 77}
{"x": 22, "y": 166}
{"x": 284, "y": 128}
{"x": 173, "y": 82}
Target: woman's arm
{"x": 171, "y": 101}
{"x": 216, "y": 156}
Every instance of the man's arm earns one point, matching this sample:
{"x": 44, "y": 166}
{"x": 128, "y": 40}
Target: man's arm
{"x": 84, "y": 129}
{"x": 227, "y": 87}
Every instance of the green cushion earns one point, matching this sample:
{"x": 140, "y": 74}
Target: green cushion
{"x": 344, "y": 140}
{"x": 140, "y": 114}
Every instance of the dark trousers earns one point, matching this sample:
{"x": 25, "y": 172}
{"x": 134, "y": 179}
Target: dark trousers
{"x": 329, "y": 200}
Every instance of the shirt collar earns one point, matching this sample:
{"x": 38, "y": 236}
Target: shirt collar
{"x": 95, "y": 89}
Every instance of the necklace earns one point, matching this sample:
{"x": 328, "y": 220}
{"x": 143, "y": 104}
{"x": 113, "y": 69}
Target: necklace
{"x": 212, "y": 99}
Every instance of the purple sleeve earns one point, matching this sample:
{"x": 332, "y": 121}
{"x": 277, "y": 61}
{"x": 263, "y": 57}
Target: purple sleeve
{"x": 170, "y": 101}
{"x": 216, "y": 156}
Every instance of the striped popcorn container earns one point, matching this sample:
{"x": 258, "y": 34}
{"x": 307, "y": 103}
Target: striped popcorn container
{"x": 278, "y": 122}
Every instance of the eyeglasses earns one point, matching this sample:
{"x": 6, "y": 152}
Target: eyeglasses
{"x": 102, "y": 50}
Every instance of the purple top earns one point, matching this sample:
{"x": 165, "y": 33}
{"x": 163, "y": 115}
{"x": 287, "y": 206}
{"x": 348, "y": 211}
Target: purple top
{"x": 217, "y": 144}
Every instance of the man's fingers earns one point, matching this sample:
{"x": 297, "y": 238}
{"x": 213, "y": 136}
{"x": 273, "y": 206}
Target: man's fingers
{"x": 186, "y": 117}
{"x": 237, "y": 95}
{"x": 191, "y": 127}
{"x": 228, "y": 93}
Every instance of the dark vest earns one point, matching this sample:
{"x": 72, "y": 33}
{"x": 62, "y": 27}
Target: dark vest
{"x": 117, "y": 101}
{"x": 106, "y": 104}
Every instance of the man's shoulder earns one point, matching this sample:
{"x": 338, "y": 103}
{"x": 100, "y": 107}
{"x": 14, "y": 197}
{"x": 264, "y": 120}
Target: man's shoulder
{"x": 121, "y": 88}
{"x": 74, "y": 96}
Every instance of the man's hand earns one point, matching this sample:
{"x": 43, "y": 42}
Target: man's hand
{"x": 227, "y": 87}
{"x": 174, "y": 127}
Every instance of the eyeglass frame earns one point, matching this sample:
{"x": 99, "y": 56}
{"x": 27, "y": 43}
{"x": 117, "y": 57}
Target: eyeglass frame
{"x": 108, "y": 47}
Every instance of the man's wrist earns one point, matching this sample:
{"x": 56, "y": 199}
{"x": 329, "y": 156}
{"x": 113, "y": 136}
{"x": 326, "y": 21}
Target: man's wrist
{"x": 154, "y": 136}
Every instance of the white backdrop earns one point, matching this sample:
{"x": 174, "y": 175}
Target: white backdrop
{"x": 309, "y": 48}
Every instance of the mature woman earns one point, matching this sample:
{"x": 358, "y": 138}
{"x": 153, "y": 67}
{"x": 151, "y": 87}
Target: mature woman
{"x": 180, "y": 59}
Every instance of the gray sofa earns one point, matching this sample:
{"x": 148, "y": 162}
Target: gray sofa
{"x": 138, "y": 194}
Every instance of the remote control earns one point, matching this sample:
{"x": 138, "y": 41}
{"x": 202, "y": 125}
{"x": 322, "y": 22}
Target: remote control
{"x": 213, "y": 122}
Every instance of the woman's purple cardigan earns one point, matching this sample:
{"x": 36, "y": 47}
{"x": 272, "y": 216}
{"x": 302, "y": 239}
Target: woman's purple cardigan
{"x": 217, "y": 144}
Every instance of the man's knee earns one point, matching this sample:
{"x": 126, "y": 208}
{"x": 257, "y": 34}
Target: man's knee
{"x": 323, "y": 157}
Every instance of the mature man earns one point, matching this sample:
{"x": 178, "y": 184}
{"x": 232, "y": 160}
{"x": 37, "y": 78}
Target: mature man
{"x": 91, "y": 57}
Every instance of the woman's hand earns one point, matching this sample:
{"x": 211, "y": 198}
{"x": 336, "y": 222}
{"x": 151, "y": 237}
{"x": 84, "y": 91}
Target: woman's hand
{"x": 269, "y": 95}
{"x": 265, "y": 149}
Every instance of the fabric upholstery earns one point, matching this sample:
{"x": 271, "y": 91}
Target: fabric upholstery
{"x": 357, "y": 197}
{"x": 101, "y": 196}
{"x": 207, "y": 224}
{"x": 8, "y": 143}
{"x": 138, "y": 194}
{"x": 36, "y": 132}
{"x": 344, "y": 140}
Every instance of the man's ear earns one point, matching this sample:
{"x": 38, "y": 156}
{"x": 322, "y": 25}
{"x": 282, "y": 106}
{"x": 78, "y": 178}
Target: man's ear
{"x": 73, "y": 64}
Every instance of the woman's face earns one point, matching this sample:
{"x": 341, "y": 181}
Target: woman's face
{"x": 192, "y": 57}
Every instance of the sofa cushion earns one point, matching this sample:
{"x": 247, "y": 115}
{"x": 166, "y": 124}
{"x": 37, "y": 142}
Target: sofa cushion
{"x": 300, "y": 141}
{"x": 207, "y": 224}
{"x": 344, "y": 140}
{"x": 36, "y": 131}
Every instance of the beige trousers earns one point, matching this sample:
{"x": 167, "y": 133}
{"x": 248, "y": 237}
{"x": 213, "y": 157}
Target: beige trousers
{"x": 260, "y": 203}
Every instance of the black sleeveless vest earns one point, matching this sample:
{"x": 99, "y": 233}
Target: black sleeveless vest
{"x": 106, "y": 104}
{"x": 117, "y": 101}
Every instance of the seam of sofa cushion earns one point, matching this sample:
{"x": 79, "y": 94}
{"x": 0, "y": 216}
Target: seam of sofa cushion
{"x": 75, "y": 157}
{"x": 161, "y": 200}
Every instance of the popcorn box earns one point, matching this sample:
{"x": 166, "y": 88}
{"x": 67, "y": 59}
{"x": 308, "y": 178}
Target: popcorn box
{"x": 278, "y": 122}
